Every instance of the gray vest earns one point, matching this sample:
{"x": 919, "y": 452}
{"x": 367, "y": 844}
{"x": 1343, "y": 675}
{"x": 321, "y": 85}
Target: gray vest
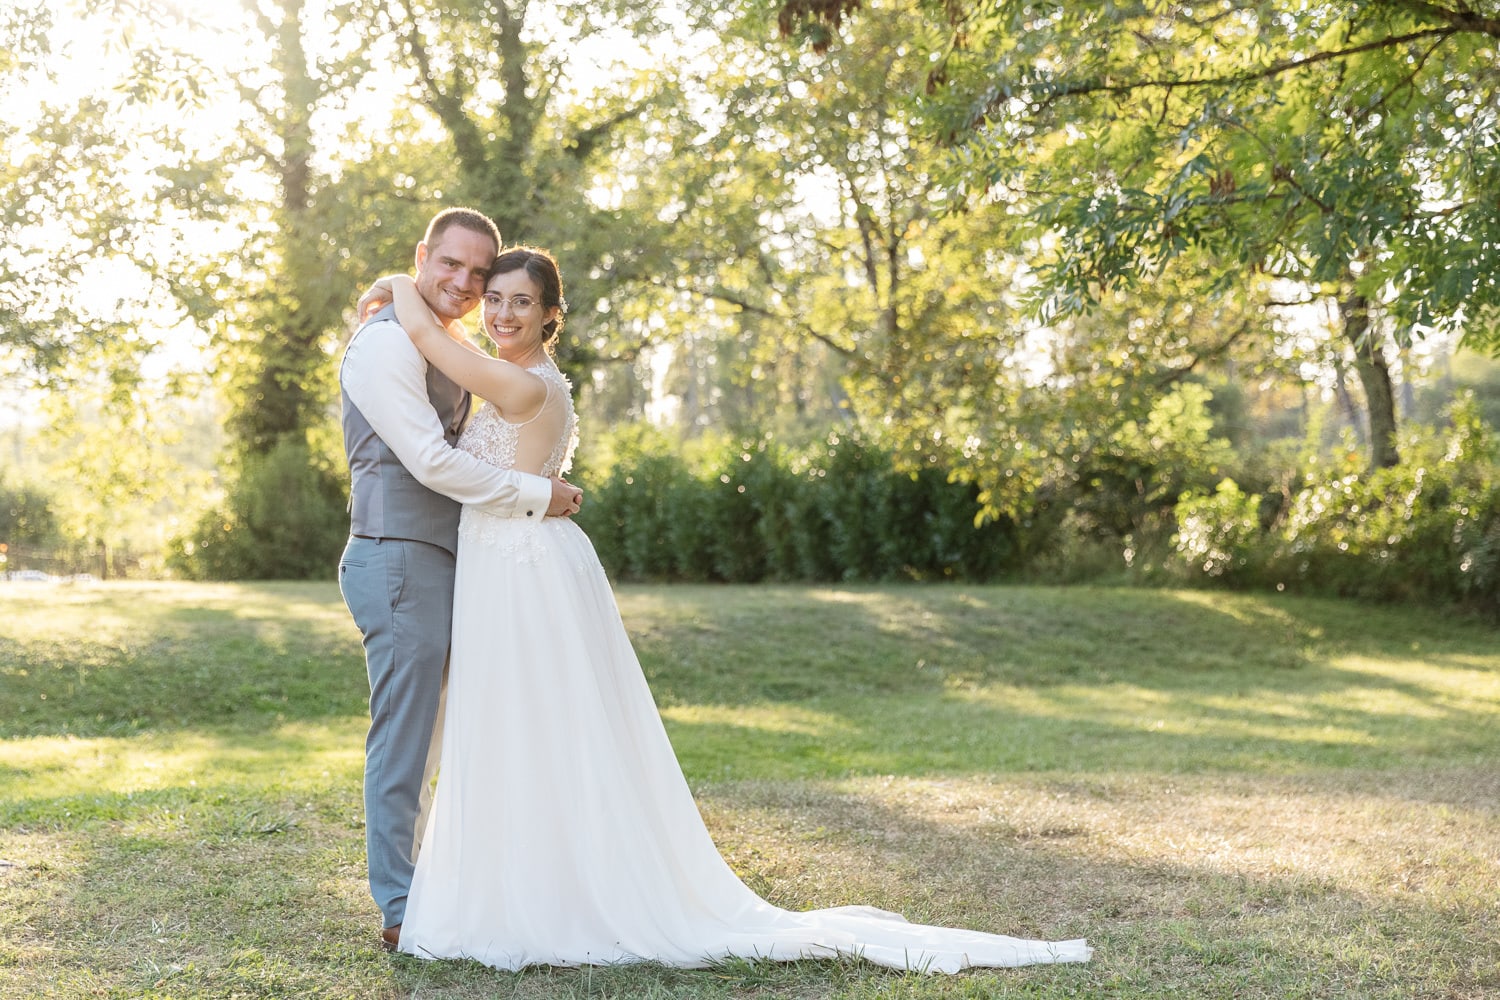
{"x": 385, "y": 500}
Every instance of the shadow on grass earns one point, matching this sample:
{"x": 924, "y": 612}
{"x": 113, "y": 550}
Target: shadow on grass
{"x": 64, "y": 782}
{"x": 1070, "y": 734}
{"x": 169, "y": 667}
{"x": 933, "y": 680}
{"x": 914, "y": 639}
{"x": 251, "y": 883}
{"x": 881, "y": 680}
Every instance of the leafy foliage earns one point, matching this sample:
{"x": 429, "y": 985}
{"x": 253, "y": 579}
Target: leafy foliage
{"x": 1428, "y": 531}
{"x": 116, "y": 448}
{"x": 1323, "y": 142}
{"x": 70, "y": 219}
{"x": 755, "y": 510}
{"x": 284, "y": 518}
{"x": 27, "y": 515}
{"x": 1346, "y": 149}
{"x": 1012, "y": 244}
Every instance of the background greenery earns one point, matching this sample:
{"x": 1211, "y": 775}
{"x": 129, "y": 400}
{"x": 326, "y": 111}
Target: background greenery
{"x": 1231, "y": 796}
{"x": 1158, "y": 293}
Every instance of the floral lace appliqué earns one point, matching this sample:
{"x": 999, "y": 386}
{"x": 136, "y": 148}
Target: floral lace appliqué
{"x": 492, "y": 439}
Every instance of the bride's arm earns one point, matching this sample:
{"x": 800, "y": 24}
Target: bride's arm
{"x": 517, "y": 392}
{"x": 379, "y": 295}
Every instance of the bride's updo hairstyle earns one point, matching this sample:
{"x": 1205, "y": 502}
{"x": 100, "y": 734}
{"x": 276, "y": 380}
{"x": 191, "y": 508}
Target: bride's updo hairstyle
{"x": 541, "y": 268}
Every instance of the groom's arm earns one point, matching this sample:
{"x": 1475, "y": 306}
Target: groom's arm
{"x": 386, "y": 378}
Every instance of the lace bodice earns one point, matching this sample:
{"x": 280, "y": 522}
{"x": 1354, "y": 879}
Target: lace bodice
{"x": 495, "y": 440}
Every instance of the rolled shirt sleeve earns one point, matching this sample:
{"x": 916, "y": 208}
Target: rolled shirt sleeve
{"x": 386, "y": 378}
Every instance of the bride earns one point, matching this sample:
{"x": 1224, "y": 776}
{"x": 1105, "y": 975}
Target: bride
{"x": 562, "y": 831}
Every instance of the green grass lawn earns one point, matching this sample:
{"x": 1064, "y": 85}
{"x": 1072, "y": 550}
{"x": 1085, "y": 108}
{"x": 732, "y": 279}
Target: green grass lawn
{"x": 1230, "y": 796}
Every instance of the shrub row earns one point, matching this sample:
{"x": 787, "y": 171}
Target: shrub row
{"x": 738, "y": 513}
{"x": 751, "y": 511}
{"x": 839, "y": 510}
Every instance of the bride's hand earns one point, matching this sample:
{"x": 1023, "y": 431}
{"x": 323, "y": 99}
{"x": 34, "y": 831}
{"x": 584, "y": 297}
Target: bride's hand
{"x": 377, "y": 297}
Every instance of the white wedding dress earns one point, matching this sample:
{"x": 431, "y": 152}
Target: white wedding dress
{"x": 562, "y": 830}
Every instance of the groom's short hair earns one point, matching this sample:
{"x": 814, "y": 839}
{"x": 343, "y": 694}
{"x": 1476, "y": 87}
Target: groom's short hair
{"x": 465, "y": 218}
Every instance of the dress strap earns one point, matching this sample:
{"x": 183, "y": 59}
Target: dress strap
{"x": 540, "y": 409}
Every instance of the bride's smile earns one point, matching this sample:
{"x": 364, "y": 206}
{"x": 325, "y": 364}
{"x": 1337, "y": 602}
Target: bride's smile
{"x": 514, "y": 316}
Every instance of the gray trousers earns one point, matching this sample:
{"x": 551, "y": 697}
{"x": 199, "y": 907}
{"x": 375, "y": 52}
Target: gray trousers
{"x": 401, "y": 596}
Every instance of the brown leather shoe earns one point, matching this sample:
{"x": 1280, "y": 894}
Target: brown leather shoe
{"x": 390, "y": 938}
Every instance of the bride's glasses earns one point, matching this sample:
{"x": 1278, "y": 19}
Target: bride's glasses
{"x": 519, "y": 304}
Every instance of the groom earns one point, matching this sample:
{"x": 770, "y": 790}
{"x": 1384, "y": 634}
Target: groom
{"x": 401, "y": 419}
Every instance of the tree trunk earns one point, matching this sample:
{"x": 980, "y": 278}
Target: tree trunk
{"x": 1346, "y": 401}
{"x": 1375, "y": 376}
{"x": 281, "y": 393}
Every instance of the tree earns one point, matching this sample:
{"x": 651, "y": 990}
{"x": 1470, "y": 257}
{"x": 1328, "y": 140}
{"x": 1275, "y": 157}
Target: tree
{"x": 1349, "y": 148}
{"x": 817, "y": 252}
{"x": 114, "y": 449}
{"x": 528, "y": 136}
{"x": 74, "y": 219}
{"x": 28, "y": 516}
{"x": 277, "y": 302}
{"x": 282, "y": 216}
{"x": 803, "y": 242}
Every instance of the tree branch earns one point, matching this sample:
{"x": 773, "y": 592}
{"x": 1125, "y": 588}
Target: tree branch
{"x": 1173, "y": 375}
{"x": 1464, "y": 19}
{"x": 723, "y": 295}
{"x": 582, "y": 145}
{"x": 450, "y": 110}
{"x": 1265, "y": 72}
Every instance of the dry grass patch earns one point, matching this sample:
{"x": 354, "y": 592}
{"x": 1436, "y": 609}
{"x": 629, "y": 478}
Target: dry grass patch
{"x": 1378, "y": 883}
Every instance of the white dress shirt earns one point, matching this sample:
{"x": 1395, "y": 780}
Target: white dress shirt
{"x": 386, "y": 379}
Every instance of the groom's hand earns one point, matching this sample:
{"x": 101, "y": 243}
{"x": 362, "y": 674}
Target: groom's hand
{"x": 566, "y": 499}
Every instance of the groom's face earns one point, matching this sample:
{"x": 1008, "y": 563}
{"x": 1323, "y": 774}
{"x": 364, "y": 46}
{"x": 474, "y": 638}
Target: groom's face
{"x": 451, "y": 270}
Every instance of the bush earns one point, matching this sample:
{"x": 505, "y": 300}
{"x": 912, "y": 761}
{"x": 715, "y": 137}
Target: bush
{"x": 1136, "y": 474}
{"x": 285, "y": 517}
{"x": 27, "y": 517}
{"x": 1428, "y": 530}
{"x": 1221, "y": 535}
{"x": 752, "y": 510}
